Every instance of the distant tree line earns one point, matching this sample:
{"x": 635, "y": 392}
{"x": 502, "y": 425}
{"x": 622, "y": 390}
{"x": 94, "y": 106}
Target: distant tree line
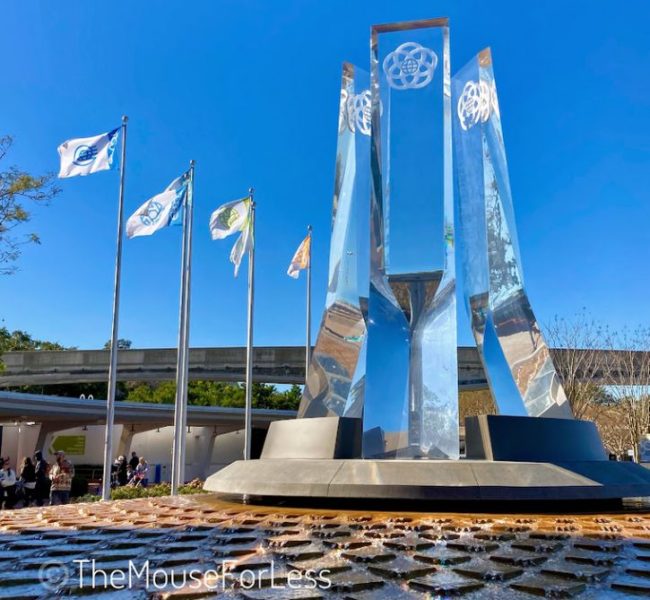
{"x": 200, "y": 393}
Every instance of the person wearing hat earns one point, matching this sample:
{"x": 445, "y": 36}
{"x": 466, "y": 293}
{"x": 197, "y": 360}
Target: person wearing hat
{"x": 122, "y": 475}
{"x": 61, "y": 475}
{"x": 7, "y": 484}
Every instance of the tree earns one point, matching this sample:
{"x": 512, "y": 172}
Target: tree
{"x": 18, "y": 340}
{"x": 578, "y": 357}
{"x": 613, "y": 429}
{"x": 606, "y": 376}
{"x": 216, "y": 393}
{"x": 475, "y": 402}
{"x": 122, "y": 344}
{"x": 16, "y": 188}
{"x": 628, "y": 374}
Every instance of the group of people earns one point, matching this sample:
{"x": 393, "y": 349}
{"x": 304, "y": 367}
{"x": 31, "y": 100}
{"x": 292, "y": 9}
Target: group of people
{"x": 135, "y": 472}
{"x": 37, "y": 481}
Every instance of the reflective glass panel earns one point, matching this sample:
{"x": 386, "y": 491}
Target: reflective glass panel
{"x": 336, "y": 375}
{"x": 515, "y": 356}
{"x": 411, "y": 385}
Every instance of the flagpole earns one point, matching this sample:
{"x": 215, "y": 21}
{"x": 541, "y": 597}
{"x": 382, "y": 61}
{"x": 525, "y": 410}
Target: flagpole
{"x": 308, "y": 336}
{"x": 186, "y": 354}
{"x": 112, "y": 369}
{"x": 181, "y": 384}
{"x": 249, "y": 340}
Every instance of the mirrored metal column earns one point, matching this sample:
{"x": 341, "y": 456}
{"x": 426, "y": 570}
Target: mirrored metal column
{"x": 335, "y": 386}
{"x": 515, "y": 356}
{"x": 411, "y": 400}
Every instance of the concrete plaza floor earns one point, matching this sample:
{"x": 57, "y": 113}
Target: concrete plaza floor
{"x": 200, "y": 547}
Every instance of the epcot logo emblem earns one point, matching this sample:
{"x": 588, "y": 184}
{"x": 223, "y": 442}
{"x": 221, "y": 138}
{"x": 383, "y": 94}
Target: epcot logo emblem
{"x": 476, "y": 103}
{"x": 152, "y": 213}
{"x": 228, "y": 217}
{"x": 410, "y": 66}
{"x": 84, "y": 155}
{"x": 358, "y": 110}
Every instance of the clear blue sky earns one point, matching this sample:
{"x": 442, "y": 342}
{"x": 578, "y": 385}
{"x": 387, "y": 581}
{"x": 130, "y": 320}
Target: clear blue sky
{"x": 250, "y": 91}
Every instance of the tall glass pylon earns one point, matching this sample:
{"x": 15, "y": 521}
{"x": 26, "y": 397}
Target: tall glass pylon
{"x": 335, "y": 386}
{"x": 515, "y": 356}
{"x": 411, "y": 392}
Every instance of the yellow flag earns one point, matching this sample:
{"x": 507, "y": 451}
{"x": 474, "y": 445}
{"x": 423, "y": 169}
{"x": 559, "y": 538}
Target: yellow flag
{"x": 300, "y": 259}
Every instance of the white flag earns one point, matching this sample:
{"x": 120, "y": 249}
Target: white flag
{"x": 229, "y": 218}
{"x": 83, "y": 156}
{"x": 242, "y": 246}
{"x": 160, "y": 211}
{"x": 301, "y": 258}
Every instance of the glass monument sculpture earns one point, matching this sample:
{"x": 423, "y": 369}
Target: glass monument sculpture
{"x": 515, "y": 356}
{"x": 411, "y": 384}
{"x": 335, "y": 385}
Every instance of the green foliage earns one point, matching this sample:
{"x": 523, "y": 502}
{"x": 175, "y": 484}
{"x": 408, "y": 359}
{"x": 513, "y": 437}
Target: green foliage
{"x": 164, "y": 393}
{"x": 122, "y": 344}
{"x": 128, "y": 492}
{"x": 140, "y": 393}
{"x": 160, "y": 489}
{"x": 16, "y": 187}
{"x": 21, "y": 340}
{"x": 188, "y": 490}
{"x": 86, "y": 498}
{"x": 215, "y": 393}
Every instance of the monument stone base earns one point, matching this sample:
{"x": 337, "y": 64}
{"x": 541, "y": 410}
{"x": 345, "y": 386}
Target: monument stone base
{"x": 509, "y": 459}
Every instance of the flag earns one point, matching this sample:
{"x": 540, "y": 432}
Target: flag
{"x": 242, "y": 245}
{"x": 83, "y": 156}
{"x": 300, "y": 259}
{"x": 160, "y": 211}
{"x": 229, "y": 218}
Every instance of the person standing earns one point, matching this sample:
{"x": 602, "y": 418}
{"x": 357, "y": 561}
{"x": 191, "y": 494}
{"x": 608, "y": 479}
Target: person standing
{"x": 42, "y": 490}
{"x": 7, "y": 484}
{"x": 28, "y": 480}
{"x": 122, "y": 476}
{"x": 142, "y": 472}
{"x": 134, "y": 462}
{"x": 61, "y": 475}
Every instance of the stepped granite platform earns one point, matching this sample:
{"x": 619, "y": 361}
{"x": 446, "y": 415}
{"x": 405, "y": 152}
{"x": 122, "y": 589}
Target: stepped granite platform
{"x": 508, "y": 459}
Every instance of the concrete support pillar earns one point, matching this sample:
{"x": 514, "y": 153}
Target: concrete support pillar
{"x": 124, "y": 443}
{"x": 204, "y": 451}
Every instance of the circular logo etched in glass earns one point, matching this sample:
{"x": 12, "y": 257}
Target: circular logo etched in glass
{"x": 477, "y": 102}
{"x": 358, "y": 108}
{"x": 410, "y": 66}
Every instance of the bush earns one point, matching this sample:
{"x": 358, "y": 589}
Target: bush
{"x": 193, "y": 487}
{"x": 86, "y": 498}
{"x": 128, "y": 492}
{"x": 152, "y": 491}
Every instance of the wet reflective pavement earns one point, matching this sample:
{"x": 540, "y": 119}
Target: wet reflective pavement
{"x": 199, "y": 547}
